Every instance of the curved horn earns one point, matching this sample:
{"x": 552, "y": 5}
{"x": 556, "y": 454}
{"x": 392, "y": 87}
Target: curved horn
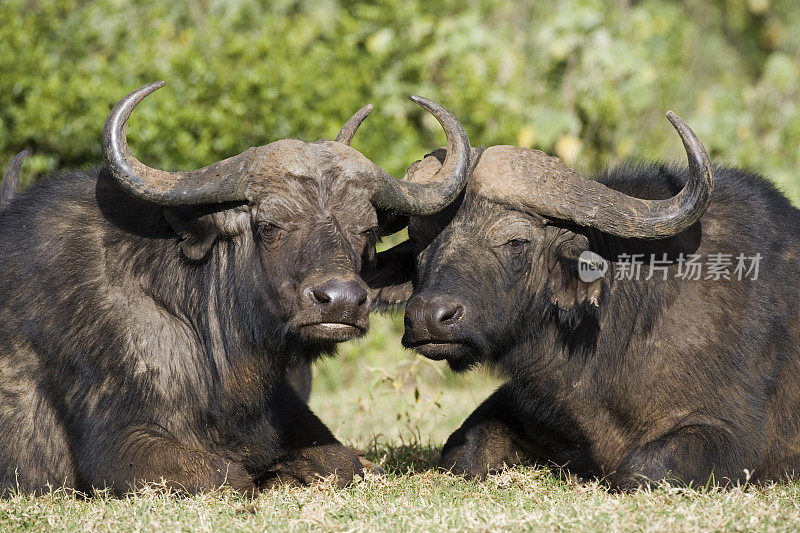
{"x": 433, "y": 194}
{"x": 345, "y": 135}
{"x": 10, "y": 185}
{"x": 557, "y": 191}
{"x": 225, "y": 181}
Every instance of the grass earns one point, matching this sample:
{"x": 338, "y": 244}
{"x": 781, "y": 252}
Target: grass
{"x": 400, "y": 408}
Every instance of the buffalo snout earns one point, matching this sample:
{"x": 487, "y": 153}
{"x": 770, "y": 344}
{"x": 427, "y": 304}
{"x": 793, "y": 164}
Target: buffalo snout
{"x": 433, "y": 318}
{"x": 334, "y": 308}
{"x": 434, "y": 325}
{"x": 336, "y": 296}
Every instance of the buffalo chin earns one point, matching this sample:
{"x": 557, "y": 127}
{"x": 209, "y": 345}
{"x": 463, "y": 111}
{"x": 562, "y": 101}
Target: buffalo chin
{"x": 323, "y": 332}
{"x": 459, "y": 356}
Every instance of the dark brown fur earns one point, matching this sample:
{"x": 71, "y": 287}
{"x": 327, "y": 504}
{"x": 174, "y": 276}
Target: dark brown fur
{"x": 130, "y": 354}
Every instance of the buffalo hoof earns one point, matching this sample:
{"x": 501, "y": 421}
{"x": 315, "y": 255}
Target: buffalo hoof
{"x": 368, "y": 465}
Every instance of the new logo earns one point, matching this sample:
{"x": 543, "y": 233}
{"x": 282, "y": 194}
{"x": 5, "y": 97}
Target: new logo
{"x": 591, "y": 267}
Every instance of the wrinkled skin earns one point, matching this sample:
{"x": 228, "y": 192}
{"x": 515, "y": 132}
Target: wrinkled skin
{"x": 141, "y": 343}
{"x": 628, "y": 381}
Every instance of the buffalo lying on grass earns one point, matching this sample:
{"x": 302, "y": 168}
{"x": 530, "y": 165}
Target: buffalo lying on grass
{"x": 670, "y": 373}
{"x": 147, "y": 318}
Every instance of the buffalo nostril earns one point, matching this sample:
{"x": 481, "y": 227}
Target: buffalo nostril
{"x": 447, "y": 314}
{"x": 339, "y": 293}
{"x": 356, "y": 293}
{"x": 320, "y": 295}
{"x": 432, "y": 319}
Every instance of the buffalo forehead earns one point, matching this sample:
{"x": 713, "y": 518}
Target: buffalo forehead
{"x": 288, "y": 156}
{"x": 423, "y": 171}
{"x": 503, "y": 171}
{"x": 326, "y": 162}
{"x": 299, "y": 158}
{"x": 346, "y": 156}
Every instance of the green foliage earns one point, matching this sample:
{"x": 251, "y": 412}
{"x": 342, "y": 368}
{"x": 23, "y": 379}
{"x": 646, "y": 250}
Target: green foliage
{"x": 586, "y": 79}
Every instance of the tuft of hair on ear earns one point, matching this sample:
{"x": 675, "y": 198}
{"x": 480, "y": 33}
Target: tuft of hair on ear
{"x": 369, "y": 255}
{"x": 577, "y": 315}
{"x": 574, "y": 300}
{"x": 391, "y": 300}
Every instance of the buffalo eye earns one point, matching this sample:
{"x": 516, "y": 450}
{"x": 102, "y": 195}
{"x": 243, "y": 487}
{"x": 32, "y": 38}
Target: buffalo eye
{"x": 368, "y": 238}
{"x": 268, "y": 230}
{"x": 515, "y": 257}
{"x": 516, "y": 243}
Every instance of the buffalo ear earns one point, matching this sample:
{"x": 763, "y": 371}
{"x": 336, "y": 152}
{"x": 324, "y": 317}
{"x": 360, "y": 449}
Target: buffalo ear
{"x": 197, "y": 234}
{"x": 390, "y": 223}
{"x": 390, "y": 277}
{"x": 418, "y": 170}
{"x": 575, "y": 299}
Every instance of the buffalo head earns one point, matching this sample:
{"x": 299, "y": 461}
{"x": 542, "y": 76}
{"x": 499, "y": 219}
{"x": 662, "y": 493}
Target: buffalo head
{"x": 299, "y": 220}
{"x": 507, "y": 253}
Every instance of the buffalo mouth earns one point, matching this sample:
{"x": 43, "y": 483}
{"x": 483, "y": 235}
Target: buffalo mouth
{"x": 439, "y": 350}
{"x": 332, "y": 331}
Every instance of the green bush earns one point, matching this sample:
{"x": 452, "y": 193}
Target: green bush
{"x": 586, "y": 79}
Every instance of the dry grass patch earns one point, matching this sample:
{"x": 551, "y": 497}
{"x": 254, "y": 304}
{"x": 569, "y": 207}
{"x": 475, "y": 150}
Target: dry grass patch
{"x": 400, "y": 408}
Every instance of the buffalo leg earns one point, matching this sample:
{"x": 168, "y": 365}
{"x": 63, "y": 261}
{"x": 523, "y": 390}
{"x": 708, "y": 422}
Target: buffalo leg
{"x": 690, "y": 454}
{"x": 489, "y": 439}
{"x": 146, "y": 457}
{"x": 310, "y": 451}
{"x": 35, "y": 452}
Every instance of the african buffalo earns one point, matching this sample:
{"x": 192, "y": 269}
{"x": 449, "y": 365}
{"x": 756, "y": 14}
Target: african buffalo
{"x": 148, "y": 318}
{"x": 644, "y": 373}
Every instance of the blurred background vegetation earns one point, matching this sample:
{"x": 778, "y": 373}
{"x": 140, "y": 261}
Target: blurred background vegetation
{"x": 588, "y": 80}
